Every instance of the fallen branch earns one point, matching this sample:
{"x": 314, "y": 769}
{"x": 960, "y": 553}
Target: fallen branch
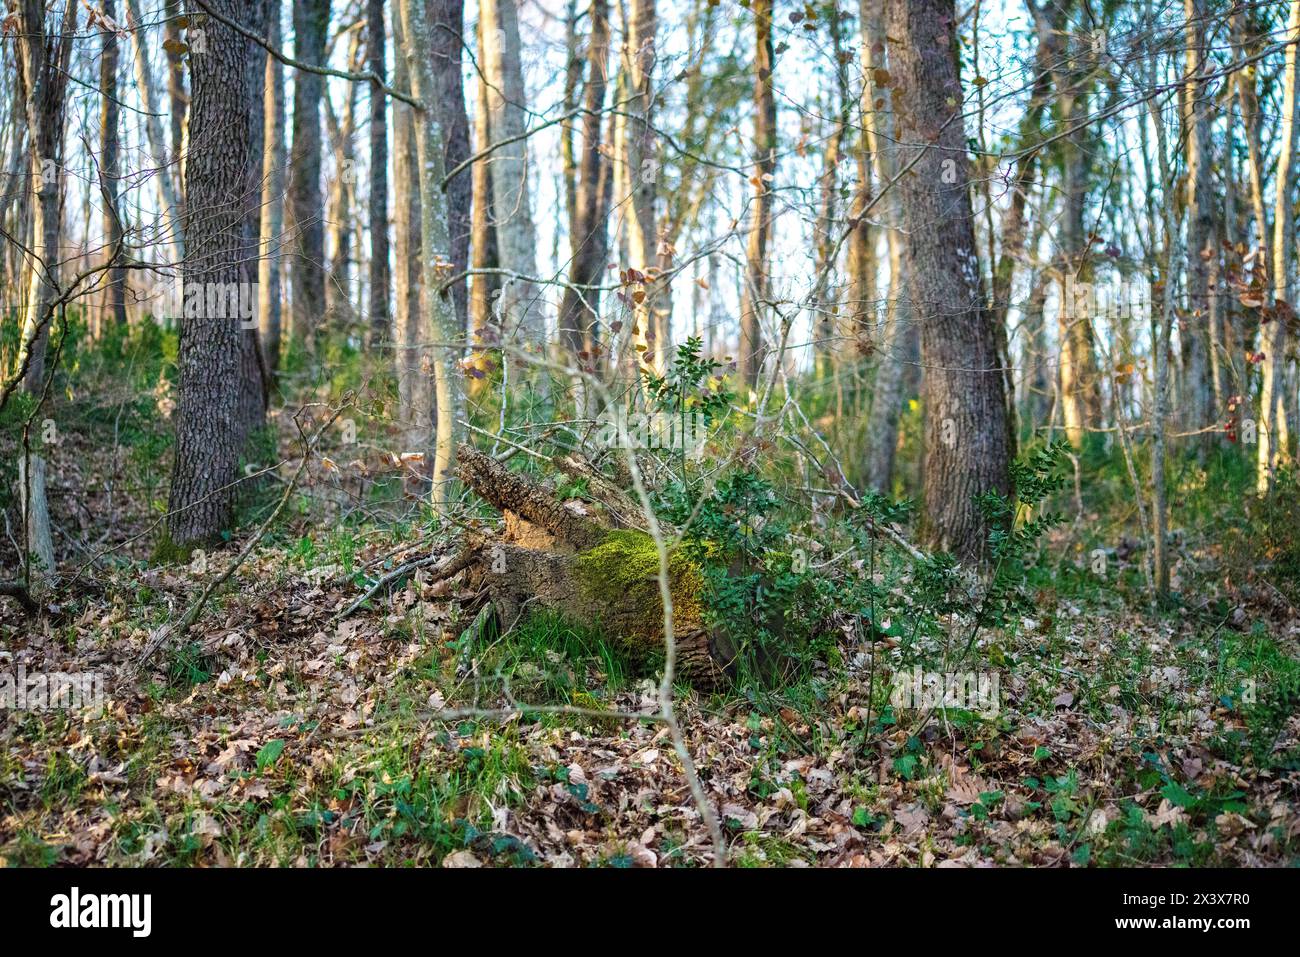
{"x": 462, "y": 560}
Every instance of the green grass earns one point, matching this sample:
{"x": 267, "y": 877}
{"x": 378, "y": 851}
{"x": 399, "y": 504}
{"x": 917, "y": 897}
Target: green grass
{"x": 549, "y": 660}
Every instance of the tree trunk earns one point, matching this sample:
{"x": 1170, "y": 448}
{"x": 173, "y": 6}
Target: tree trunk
{"x": 45, "y": 62}
{"x": 180, "y": 101}
{"x": 255, "y": 381}
{"x": 751, "y": 352}
{"x": 44, "y": 57}
{"x": 44, "y": 54}
{"x": 859, "y": 303}
{"x": 167, "y": 167}
{"x": 825, "y": 304}
{"x": 593, "y": 565}
{"x": 588, "y": 234}
{"x": 654, "y": 313}
{"x": 305, "y": 206}
{"x": 342, "y": 204}
{"x": 1272, "y": 430}
{"x": 414, "y": 375}
{"x": 435, "y": 254}
{"x": 378, "y": 316}
{"x": 110, "y": 168}
{"x": 521, "y": 304}
{"x": 1250, "y": 116}
{"x": 210, "y": 425}
{"x": 39, "y": 560}
{"x": 483, "y": 240}
{"x": 966, "y": 451}
{"x": 901, "y": 340}
{"x": 1080, "y": 392}
{"x": 1198, "y": 408}
{"x": 271, "y": 235}
{"x": 446, "y": 37}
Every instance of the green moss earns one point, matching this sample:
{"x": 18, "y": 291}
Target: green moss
{"x": 168, "y": 552}
{"x": 623, "y": 571}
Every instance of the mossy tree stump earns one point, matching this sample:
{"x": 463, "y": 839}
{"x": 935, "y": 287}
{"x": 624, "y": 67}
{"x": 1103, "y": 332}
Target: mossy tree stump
{"x": 583, "y": 560}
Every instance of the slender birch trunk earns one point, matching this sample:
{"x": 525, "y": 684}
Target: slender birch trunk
{"x": 1272, "y": 432}
{"x": 271, "y": 233}
{"x": 435, "y": 257}
{"x": 521, "y": 310}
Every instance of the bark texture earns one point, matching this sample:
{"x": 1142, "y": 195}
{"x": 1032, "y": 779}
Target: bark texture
{"x": 270, "y": 239}
{"x": 588, "y": 233}
{"x": 110, "y": 170}
{"x": 306, "y": 205}
{"x": 966, "y": 450}
{"x": 378, "y": 315}
{"x": 210, "y": 423}
{"x": 751, "y": 353}
{"x": 521, "y": 311}
{"x": 1273, "y": 438}
{"x": 435, "y": 255}
{"x": 446, "y": 37}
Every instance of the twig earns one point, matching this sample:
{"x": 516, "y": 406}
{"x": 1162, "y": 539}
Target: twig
{"x": 463, "y": 559}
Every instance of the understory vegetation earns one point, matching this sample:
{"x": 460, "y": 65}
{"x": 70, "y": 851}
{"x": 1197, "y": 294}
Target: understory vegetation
{"x": 1084, "y": 726}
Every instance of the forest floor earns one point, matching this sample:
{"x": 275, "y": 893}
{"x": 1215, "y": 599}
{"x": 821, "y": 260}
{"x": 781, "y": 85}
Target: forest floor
{"x": 277, "y": 733}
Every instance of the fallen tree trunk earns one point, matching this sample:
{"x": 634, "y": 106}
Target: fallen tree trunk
{"x": 591, "y": 563}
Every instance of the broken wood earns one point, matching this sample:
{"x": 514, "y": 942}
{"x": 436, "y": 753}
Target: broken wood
{"x": 591, "y": 562}
{"x": 451, "y": 567}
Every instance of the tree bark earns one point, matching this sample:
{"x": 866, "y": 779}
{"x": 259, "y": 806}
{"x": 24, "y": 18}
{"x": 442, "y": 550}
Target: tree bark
{"x": 521, "y": 305}
{"x": 900, "y": 346}
{"x": 414, "y": 375}
{"x": 593, "y": 565}
{"x": 483, "y": 240}
{"x": 271, "y": 233}
{"x": 751, "y": 352}
{"x": 588, "y": 233}
{"x": 435, "y": 255}
{"x": 305, "y": 206}
{"x": 45, "y": 57}
{"x": 44, "y": 54}
{"x": 966, "y": 451}
{"x": 179, "y": 99}
{"x": 825, "y": 298}
{"x": 654, "y": 313}
{"x": 110, "y": 168}
{"x": 446, "y": 37}
{"x": 378, "y": 315}
{"x": 1197, "y": 344}
{"x": 1080, "y": 392}
{"x": 1272, "y": 431}
{"x": 341, "y": 207}
{"x": 210, "y": 423}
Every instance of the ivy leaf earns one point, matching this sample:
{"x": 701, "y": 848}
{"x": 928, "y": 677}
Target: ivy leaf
{"x": 1177, "y": 795}
{"x": 269, "y": 753}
